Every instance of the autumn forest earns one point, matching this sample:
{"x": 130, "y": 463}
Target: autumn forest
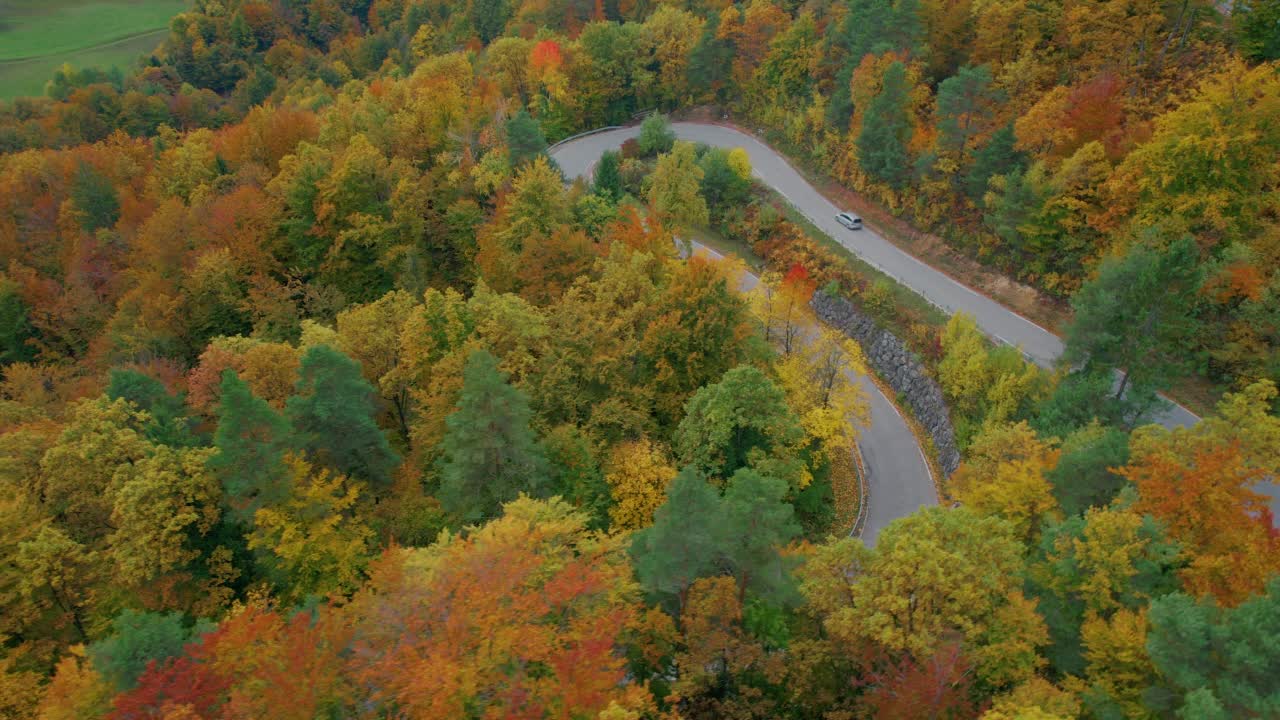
{"x": 326, "y": 393}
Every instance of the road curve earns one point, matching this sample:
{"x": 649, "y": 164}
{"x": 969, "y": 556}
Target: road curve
{"x": 898, "y": 478}
{"x": 1002, "y": 324}
{"x": 900, "y": 482}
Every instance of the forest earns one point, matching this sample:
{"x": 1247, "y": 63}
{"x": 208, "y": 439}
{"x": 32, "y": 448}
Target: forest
{"x": 324, "y": 396}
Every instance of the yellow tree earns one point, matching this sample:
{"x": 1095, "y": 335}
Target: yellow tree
{"x": 638, "y": 472}
{"x": 820, "y": 380}
{"x": 1004, "y": 475}
{"x": 371, "y": 335}
{"x": 161, "y": 505}
{"x": 1115, "y": 650}
{"x": 963, "y": 371}
{"x": 930, "y": 575}
{"x": 313, "y": 542}
{"x": 782, "y": 308}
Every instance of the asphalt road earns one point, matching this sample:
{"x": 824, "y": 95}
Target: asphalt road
{"x": 898, "y": 478}
{"x": 900, "y": 481}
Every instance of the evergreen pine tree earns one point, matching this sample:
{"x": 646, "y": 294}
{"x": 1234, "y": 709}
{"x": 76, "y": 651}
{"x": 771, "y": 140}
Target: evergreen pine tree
{"x": 758, "y": 520}
{"x": 251, "y": 441}
{"x": 333, "y": 411}
{"x": 525, "y": 140}
{"x": 997, "y": 157}
{"x": 169, "y": 424}
{"x": 607, "y": 180}
{"x": 490, "y": 453}
{"x": 882, "y": 144}
{"x": 684, "y": 542}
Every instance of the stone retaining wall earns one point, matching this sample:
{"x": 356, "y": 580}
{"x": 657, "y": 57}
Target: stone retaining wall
{"x": 898, "y": 367}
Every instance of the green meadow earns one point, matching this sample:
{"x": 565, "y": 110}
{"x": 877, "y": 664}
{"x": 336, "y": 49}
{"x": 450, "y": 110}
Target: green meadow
{"x": 38, "y": 36}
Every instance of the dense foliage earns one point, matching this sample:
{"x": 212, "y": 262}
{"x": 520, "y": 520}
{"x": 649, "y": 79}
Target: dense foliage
{"x": 323, "y": 396}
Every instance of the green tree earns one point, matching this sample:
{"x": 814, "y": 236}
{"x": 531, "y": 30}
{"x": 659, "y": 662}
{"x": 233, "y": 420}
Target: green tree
{"x": 758, "y": 521}
{"x": 15, "y": 326}
{"x": 882, "y": 143}
{"x": 489, "y": 18}
{"x": 1136, "y": 316}
{"x": 997, "y": 157}
{"x": 1082, "y": 478}
{"x": 674, "y": 190}
{"x": 489, "y": 453}
{"x": 333, "y": 411}
{"x": 136, "y": 640}
{"x": 606, "y": 181}
{"x": 251, "y": 440}
{"x": 168, "y": 423}
{"x": 1220, "y": 658}
{"x": 95, "y": 197}
{"x": 1080, "y": 398}
{"x": 525, "y": 140}
{"x": 656, "y": 136}
{"x": 964, "y": 104}
{"x": 741, "y": 421}
{"x": 1257, "y": 26}
{"x": 722, "y": 186}
{"x": 575, "y": 474}
{"x": 684, "y": 540}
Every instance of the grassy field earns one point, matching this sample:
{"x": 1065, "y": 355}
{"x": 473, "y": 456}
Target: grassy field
{"x": 37, "y": 37}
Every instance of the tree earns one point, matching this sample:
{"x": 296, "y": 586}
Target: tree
{"x": 332, "y": 412}
{"x": 723, "y": 186}
{"x": 682, "y": 543}
{"x": 963, "y": 107}
{"x": 638, "y": 473}
{"x": 311, "y": 544}
{"x": 1118, "y": 667}
{"x": 489, "y": 18}
{"x": 758, "y": 521}
{"x": 489, "y": 453}
{"x": 168, "y": 423}
{"x": 1214, "y": 657}
{"x": 16, "y": 331}
{"x": 521, "y": 615}
{"x": 576, "y": 476}
{"x": 741, "y": 421}
{"x": 882, "y": 142}
{"x": 930, "y": 574}
{"x": 1136, "y": 317}
{"x": 1083, "y": 477}
{"x": 250, "y": 442}
{"x": 674, "y": 192}
{"x": 656, "y": 136}
{"x": 997, "y": 157}
{"x": 1198, "y": 173}
{"x": 1204, "y": 492}
{"x": 606, "y": 180}
{"x": 525, "y": 140}
{"x": 138, "y": 639}
{"x": 164, "y": 505}
{"x": 1255, "y": 24}
{"x": 1003, "y": 474}
{"x": 698, "y": 329}
{"x": 77, "y": 473}
{"x": 721, "y": 663}
{"x": 371, "y": 335}
{"x": 95, "y": 197}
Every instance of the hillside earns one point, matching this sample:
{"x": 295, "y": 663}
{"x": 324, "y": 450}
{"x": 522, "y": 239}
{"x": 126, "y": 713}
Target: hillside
{"x": 326, "y": 393}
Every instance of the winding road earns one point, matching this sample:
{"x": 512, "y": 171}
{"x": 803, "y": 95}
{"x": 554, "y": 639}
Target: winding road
{"x": 899, "y": 478}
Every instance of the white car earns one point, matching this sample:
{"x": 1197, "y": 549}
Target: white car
{"x": 849, "y": 220}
